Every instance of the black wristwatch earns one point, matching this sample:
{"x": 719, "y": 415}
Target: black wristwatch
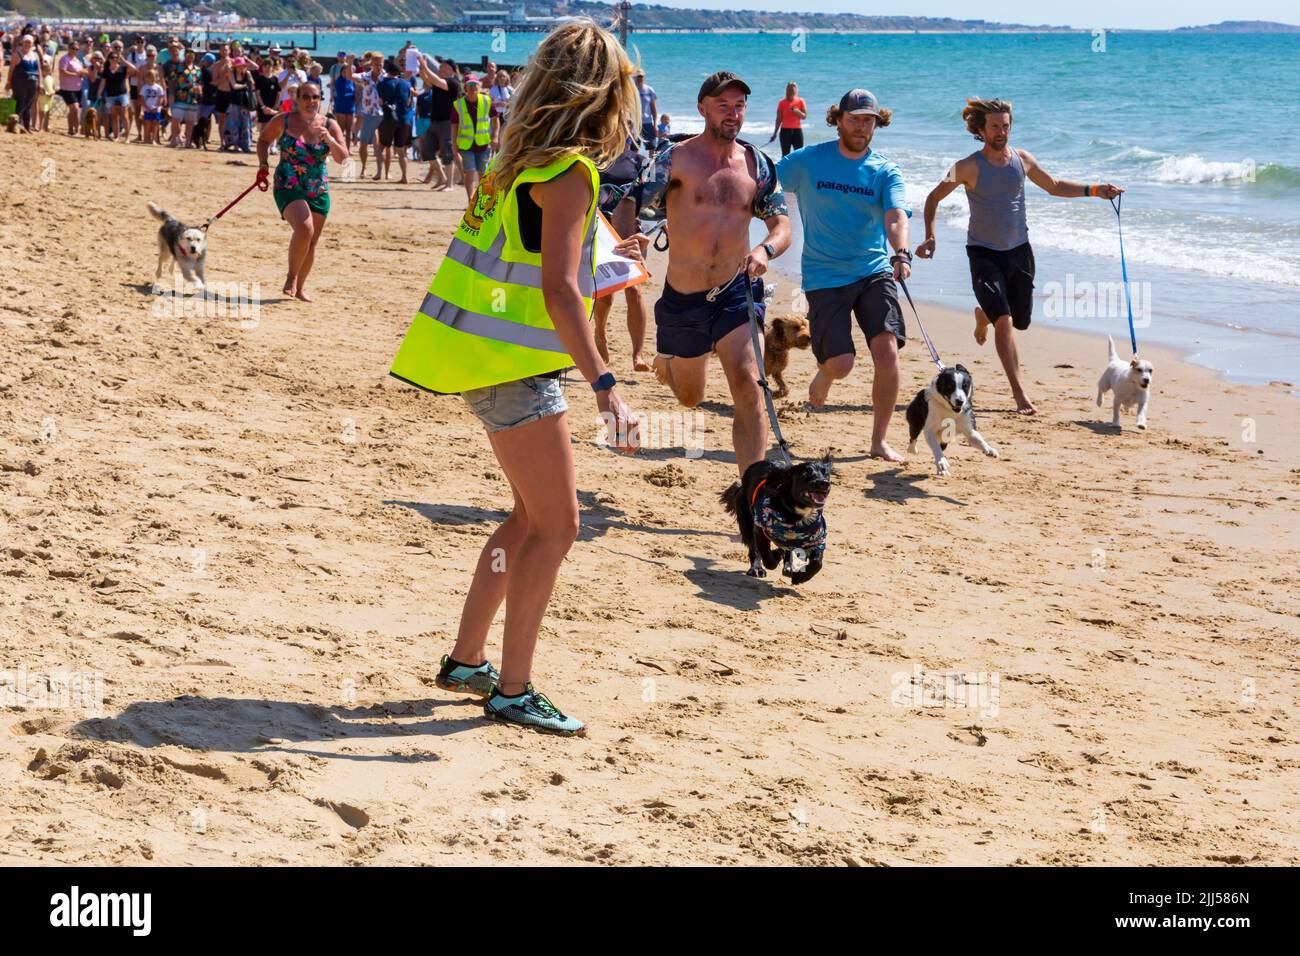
{"x": 770, "y": 250}
{"x": 604, "y": 383}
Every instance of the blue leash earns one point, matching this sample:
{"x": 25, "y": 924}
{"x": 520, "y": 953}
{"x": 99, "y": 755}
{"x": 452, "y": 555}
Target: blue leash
{"x": 1128, "y": 300}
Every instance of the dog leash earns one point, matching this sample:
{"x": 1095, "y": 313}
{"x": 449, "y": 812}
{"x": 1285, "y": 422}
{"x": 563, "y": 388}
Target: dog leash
{"x": 934, "y": 355}
{"x": 762, "y": 377}
{"x": 1132, "y": 335}
{"x": 259, "y": 183}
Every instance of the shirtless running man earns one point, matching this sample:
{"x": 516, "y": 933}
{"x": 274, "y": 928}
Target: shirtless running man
{"x": 714, "y": 185}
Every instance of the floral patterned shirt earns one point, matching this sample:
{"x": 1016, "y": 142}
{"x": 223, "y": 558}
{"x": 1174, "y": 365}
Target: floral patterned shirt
{"x": 769, "y": 198}
{"x": 368, "y": 84}
{"x": 189, "y": 85}
{"x": 302, "y": 166}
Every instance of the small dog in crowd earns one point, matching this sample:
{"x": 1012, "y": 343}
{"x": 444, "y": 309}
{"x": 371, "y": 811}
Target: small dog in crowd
{"x": 942, "y": 407}
{"x": 202, "y": 130}
{"x": 11, "y": 124}
{"x": 780, "y": 337}
{"x": 1131, "y": 383}
{"x": 779, "y": 511}
{"x": 182, "y": 244}
{"x": 90, "y": 123}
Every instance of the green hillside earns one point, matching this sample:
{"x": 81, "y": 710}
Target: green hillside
{"x": 645, "y": 16}
{"x": 323, "y": 11}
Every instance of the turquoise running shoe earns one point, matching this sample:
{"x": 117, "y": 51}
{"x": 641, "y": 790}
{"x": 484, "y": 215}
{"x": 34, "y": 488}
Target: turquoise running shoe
{"x": 462, "y": 679}
{"x": 532, "y": 709}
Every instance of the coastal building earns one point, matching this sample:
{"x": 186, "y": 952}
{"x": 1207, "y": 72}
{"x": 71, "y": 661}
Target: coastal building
{"x": 501, "y": 15}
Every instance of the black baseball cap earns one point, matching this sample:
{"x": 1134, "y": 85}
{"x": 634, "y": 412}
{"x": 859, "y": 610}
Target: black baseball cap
{"x": 861, "y": 102}
{"x": 717, "y": 82}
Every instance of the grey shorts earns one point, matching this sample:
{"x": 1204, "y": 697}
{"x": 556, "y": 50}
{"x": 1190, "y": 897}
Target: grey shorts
{"x": 873, "y": 300}
{"x": 370, "y": 126}
{"x": 512, "y": 404}
{"x": 437, "y": 141}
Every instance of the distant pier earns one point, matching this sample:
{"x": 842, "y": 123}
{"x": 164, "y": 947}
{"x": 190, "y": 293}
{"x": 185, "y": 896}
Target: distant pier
{"x": 396, "y": 26}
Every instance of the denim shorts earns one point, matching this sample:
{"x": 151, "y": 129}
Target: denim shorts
{"x": 475, "y": 162}
{"x": 123, "y": 100}
{"x": 512, "y": 404}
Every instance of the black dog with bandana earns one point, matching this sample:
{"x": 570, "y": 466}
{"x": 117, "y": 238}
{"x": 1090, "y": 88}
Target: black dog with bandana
{"x": 779, "y": 512}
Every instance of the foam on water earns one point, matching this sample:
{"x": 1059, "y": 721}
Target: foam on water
{"x": 1197, "y": 169}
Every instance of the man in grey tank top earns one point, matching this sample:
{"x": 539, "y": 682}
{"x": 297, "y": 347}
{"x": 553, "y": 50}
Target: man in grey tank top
{"x": 997, "y": 238}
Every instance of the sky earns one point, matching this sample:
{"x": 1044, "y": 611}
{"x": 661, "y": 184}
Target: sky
{"x": 1133, "y": 14}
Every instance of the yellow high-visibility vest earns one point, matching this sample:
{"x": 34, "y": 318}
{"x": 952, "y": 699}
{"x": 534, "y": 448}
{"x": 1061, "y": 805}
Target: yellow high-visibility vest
{"x": 484, "y": 320}
{"x": 476, "y": 132}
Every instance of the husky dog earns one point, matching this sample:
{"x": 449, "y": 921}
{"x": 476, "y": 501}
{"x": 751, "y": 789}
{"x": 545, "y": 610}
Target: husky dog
{"x": 182, "y": 244}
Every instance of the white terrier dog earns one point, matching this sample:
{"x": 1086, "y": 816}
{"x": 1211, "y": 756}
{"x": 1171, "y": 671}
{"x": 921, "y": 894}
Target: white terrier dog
{"x": 1131, "y": 383}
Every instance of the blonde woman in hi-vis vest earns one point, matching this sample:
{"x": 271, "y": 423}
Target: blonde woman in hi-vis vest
{"x": 506, "y": 314}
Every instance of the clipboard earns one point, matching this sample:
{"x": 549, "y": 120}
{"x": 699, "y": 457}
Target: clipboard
{"x": 614, "y": 273}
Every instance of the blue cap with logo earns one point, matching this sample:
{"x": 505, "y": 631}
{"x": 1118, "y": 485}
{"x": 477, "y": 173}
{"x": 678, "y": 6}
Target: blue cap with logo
{"x": 860, "y": 102}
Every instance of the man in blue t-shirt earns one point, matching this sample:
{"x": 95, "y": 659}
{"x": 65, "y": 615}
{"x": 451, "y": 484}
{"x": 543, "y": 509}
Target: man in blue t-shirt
{"x": 395, "y": 127}
{"x": 853, "y": 207}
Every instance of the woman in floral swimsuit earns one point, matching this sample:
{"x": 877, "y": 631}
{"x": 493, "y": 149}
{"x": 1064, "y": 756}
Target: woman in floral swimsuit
{"x": 186, "y": 93}
{"x": 305, "y": 137}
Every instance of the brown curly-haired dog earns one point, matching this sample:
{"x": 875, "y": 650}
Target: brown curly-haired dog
{"x": 91, "y": 127}
{"x": 780, "y": 336}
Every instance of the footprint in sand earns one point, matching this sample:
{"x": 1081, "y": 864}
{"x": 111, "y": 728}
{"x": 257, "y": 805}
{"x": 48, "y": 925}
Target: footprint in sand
{"x": 354, "y": 817}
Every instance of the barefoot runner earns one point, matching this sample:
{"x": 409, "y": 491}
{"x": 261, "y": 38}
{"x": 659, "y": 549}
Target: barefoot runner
{"x": 714, "y": 184}
{"x": 997, "y": 239}
{"x": 507, "y": 312}
{"x": 621, "y": 195}
{"x": 853, "y": 207}
{"x": 302, "y": 188}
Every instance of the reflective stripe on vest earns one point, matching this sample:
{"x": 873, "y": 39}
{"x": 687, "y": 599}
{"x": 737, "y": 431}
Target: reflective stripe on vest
{"x": 484, "y": 320}
{"x": 491, "y": 326}
{"x": 481, "y": 134}
{"x": 488, "y": 262}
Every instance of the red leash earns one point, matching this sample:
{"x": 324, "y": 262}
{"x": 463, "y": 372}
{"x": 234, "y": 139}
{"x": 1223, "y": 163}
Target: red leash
{"x": 261, "y": 183}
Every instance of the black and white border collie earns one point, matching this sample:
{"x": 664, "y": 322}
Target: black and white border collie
{"x": 941, "y": 409}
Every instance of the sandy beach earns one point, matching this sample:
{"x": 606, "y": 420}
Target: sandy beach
{"x": 260, "y": 543}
